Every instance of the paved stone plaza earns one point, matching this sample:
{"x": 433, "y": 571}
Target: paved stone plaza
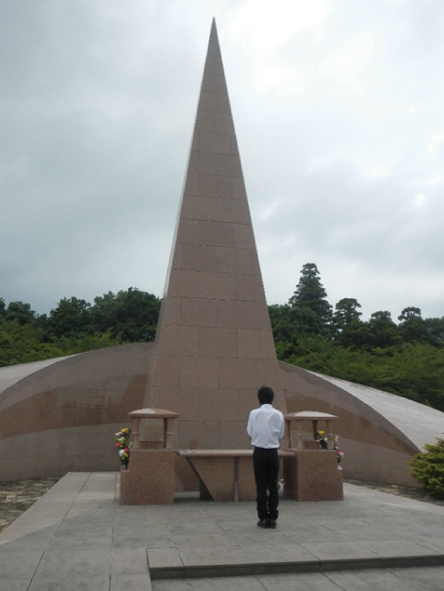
{"x": 78, "y": 536}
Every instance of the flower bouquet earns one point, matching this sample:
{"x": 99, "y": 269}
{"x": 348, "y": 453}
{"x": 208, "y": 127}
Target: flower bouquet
{"x": 323, "y": 443}
{"x": 123, "y": 446}
{"x": 322, "y": 438}
{"x": 339, "y": 454}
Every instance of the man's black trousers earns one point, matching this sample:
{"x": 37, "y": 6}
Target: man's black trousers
{"x": 266, "y": 469}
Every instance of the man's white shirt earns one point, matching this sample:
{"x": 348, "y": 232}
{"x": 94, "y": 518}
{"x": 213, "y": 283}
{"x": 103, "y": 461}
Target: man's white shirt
{"x": 265, "y": 426}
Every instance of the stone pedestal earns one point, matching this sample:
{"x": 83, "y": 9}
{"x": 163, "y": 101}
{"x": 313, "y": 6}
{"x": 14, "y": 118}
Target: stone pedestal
{"x": 149, "y": 479}
{"x": 313, "y": 475}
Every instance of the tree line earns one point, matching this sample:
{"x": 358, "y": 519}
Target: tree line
{"x": 404, "y": 357}
{"x": 76, "y": 326}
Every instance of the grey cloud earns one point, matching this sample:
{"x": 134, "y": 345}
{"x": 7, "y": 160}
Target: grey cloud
{"x": 97, "y": 106}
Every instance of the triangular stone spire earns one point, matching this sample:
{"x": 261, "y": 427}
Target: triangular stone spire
{"x": 214, "y": 344}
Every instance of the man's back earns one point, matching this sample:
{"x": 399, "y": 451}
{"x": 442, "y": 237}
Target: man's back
{"x": 265, "y": 427}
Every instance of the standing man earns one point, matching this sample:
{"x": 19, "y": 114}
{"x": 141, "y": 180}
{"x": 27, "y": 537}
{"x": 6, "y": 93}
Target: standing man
{"x": 266, "y": 428}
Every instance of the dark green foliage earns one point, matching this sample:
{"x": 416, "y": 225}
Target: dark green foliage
{"x": 23, "y": 343}
{"x": 20, "y": 312}
{"x": 310, "y": 312}
{"x": 435, "y": 328}
{"x": 415, "y": 371}
{"x": 383, "y": 332}
{"x": 346, "y": 313}
{"x": 130, "y": 315}
{"x": 405, "y": 359}
{"x": 379, "y": 332}
{"x": 71, "y": 318}
{"x": 428, "y": 468}
{"x": 412, "y": 327}
{"x": 356, "y": 335}
{"x": 284, "y": 333}
{"x": 75, "y": 326}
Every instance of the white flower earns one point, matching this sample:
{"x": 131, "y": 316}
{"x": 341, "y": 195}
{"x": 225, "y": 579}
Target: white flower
{"x": 121, "y": 452}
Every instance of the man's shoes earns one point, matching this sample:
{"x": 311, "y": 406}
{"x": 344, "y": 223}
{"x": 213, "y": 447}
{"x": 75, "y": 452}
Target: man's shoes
{"x": 267, "y": 523}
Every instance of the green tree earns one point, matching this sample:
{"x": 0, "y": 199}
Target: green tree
{"x": 20, "y": 312}
{"x": 71, "y": 318}
{"x": 435, "y": 328}
{"x": 131, "y": 315}
{"x": 310, "y": 310}
{"x": 75, "y": 326}
{"x": 22, "y": 343}
{"x": 356, "y": 335}
{"x": 348, "y": 329}
{"x": 98, "y": 340}
{"x": 346, "y": 311}
{"x": 416, "y": 371}
{"x": 306, "y": 322}
{"x": 383, "y": 332}
{"x": 412, "y": 327}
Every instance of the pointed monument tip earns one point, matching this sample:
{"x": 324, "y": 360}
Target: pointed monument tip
{"x": 214, "y": 37}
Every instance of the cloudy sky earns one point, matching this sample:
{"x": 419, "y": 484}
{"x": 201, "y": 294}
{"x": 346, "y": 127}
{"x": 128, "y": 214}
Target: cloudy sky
{"x": 338, "y": 107}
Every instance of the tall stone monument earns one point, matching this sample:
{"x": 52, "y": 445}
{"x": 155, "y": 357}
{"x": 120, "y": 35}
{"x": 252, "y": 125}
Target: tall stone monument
{"x": 214, "y": 348}
{"x": 214, "y": 344}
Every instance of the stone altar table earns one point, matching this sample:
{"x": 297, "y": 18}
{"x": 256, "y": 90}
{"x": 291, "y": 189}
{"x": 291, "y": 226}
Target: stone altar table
{"x": 225, "y": 474}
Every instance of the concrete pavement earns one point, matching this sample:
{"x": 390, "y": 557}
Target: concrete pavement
{"x": 77, "y": 536}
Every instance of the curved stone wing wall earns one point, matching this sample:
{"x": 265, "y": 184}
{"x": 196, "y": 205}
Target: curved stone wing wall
{"x": 60, "y": 415}
{"x": 379, "y": 432}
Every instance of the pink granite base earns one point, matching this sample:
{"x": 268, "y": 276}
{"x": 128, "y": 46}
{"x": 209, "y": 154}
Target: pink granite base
{"x": 313, "y": 475}
{"x": 149, "y": 479}
{"x": 312, "y": 445}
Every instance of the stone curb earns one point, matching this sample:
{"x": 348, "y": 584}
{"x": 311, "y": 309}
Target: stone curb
{"x": 276, "y": 568}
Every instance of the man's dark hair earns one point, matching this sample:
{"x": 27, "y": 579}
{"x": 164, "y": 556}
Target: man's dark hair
{"x": 265, "y": 395}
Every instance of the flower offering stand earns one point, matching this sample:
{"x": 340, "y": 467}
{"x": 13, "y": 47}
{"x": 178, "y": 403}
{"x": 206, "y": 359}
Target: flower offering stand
{"x": 149, "y": 479}
{"x": 313, "y": 473}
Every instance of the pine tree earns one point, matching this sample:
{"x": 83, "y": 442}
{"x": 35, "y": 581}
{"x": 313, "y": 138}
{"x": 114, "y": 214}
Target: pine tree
{"x": 309, "y": 306}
